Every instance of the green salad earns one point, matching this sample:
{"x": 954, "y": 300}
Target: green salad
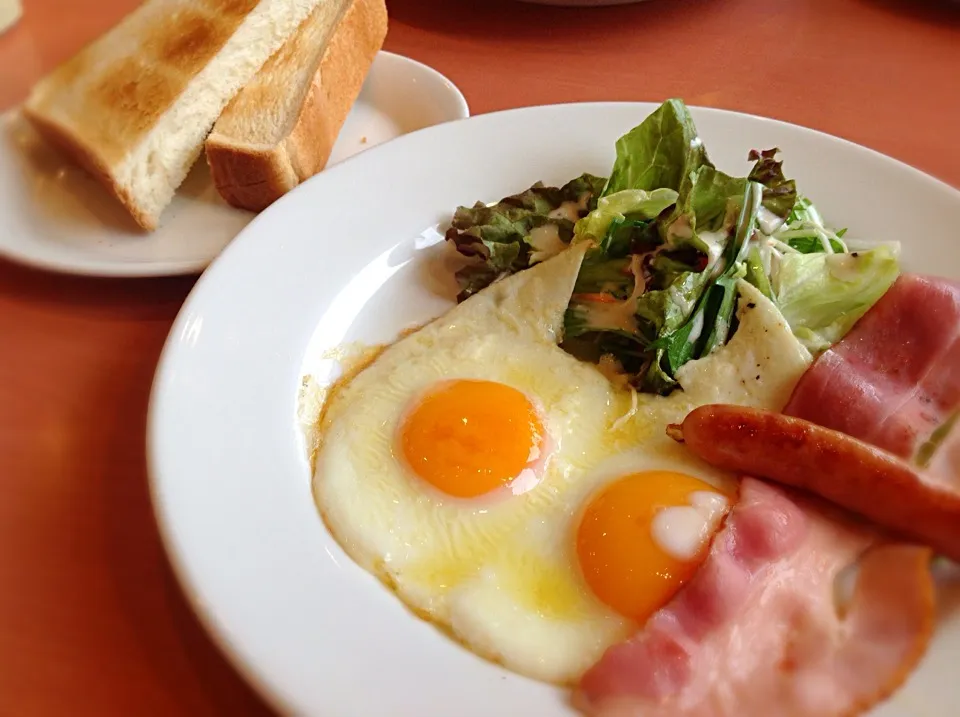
{"x": 672, "y": 236}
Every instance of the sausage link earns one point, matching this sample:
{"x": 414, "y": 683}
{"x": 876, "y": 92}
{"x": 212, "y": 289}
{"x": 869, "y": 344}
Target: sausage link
{"x": 843, "y": 470}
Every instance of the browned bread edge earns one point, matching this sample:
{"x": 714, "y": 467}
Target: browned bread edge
{"x": 253, "y": 179}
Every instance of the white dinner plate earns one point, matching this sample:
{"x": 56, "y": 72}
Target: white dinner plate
{"x": 57, "y": 217}
{"x": 356, "y": 254}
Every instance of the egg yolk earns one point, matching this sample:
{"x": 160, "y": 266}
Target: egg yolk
{"x": 467, "y": 438}
{"x": 621, "y": 560}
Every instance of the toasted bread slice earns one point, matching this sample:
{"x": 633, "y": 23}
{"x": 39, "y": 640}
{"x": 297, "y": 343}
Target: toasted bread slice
{"x": 280, "y": 129}
{"x": 134, "y": 106}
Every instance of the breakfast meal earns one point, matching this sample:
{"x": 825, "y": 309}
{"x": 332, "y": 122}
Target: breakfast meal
{"x": 681, "y": 446}
{"x": 135, "y": 107}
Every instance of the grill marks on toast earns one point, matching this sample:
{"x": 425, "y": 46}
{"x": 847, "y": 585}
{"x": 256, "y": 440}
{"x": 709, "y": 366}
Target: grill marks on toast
{"x": 230, "y": 7}
{"x": 199, "y": 38}
{"x": 130, "y": 94}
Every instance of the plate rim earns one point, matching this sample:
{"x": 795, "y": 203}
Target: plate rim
{"x": 105, "y": 268}
{"x": 189, "y": 583}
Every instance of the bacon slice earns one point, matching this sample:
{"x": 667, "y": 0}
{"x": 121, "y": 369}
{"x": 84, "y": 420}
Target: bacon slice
{"x": 894, "y": 379}
{"x": 758, "y": 631}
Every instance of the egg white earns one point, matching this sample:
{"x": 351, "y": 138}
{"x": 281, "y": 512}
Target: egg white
{"x": 500, "y": 573}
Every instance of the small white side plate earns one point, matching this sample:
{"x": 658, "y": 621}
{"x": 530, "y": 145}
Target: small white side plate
{"x": 59, "y": 218}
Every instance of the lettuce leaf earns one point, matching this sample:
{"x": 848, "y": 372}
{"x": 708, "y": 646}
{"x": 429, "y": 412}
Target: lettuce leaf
{"x": 712, "y": 196}
{"x": 601, "y": 274}
{"x": 814, "y": 245}
{"x": 823, "y": 295}
{"x": 663, "y": 310}
{"x": 627, "y": 204}
{"x": 757, "y": 275}
{"x": 708, "y": 204}
{"x": 739, "y": 246}
{"x": 659, "y": 153}
{"x": 671, "y": 237}
{"x": 666, "y": 267}
{"x": 629, "y": 236}
{"x": 708, "y": 325}
{"x": 519, "y": 230}
{"x": 779, "y": 193}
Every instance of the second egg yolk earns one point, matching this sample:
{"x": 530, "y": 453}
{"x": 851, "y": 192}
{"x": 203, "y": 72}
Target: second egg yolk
{"x": 622, "y": 562}
{"x": 468, "y": 438}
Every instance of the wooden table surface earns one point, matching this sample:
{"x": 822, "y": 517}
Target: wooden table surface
{"x": 91, "y": 619}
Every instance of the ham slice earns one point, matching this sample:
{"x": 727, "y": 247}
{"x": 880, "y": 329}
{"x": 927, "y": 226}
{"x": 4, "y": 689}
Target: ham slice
{"x": 759, "y": 630}
{"x": 895, "y": 378}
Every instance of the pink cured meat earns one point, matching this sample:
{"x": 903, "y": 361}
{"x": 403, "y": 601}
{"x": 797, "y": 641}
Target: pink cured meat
{"x": 895, "y": 378}
{"x": 757, "y": 631}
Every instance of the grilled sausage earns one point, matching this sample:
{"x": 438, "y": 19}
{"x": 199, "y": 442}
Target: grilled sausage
{"x": 830, "y": 464}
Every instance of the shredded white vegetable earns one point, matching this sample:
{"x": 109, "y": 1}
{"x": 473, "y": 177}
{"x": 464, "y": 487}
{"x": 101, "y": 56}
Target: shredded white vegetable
{"x": 622, "y": 421}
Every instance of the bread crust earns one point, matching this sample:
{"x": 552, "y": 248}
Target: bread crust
{"x": 255, "y": 177}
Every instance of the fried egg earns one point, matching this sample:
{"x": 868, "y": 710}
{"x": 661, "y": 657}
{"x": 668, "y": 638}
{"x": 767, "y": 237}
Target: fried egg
{"x": 514, "y": 496}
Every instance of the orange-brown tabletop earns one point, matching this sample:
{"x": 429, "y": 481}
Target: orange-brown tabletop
{"x": 91, "y": 620}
